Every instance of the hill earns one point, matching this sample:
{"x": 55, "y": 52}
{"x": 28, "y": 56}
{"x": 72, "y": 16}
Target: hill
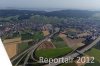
{"x": 60, "y": 13}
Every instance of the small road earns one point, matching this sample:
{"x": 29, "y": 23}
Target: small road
{"x": 76, "y": 54}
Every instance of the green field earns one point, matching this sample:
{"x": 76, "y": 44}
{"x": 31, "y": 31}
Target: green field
{"x": 57, "y": 38}
{"x": 22, "y": 47}
{"x": 52, "y": 53}
{"x": 59, "y": 44}
{"x": 93, "y": 64}
{"x": 95, "y": 53}
{"x": 36, "y": 36}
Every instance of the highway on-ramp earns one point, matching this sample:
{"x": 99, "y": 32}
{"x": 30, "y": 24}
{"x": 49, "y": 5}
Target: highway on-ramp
{"x": 29, "y": 52}
{"x": 75, "y": 53}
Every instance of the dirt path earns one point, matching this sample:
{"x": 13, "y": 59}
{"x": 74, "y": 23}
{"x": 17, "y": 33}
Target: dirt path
{"x": 46, "y": 45}
{"x": 73, "y": 43}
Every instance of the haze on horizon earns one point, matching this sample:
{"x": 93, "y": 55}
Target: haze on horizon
{"x": 51, "y": 4}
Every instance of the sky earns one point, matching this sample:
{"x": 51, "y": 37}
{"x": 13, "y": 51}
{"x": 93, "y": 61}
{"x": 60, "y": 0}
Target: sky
{"x": 51, "y": 4}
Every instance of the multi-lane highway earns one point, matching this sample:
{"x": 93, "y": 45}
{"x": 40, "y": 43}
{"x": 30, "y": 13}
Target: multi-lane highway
{"x": 75, "y": 53}
{"x": 29, "y": 52}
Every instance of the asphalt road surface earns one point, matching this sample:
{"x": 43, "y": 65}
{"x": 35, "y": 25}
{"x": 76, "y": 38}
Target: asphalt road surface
{"x": 29, "y": 52}
{"x": 75, "y": 54}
